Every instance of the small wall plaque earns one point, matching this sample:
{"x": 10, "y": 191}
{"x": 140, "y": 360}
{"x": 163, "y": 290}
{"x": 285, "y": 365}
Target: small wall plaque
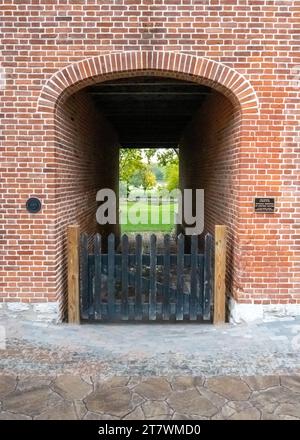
{"x": 33, "y": 205}
{"x": 264, "y": 204}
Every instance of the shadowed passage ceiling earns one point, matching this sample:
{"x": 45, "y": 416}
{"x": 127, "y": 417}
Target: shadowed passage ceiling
{"x": 149, "y": 112}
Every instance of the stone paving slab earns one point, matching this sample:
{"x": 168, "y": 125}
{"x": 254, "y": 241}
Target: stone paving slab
{"x": 150, "y": 350}
{"x": 71, "y": 397}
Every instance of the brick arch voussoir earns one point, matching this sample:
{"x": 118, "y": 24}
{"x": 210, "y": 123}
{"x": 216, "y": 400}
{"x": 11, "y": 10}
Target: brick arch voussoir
{"x": 219, "y": 76}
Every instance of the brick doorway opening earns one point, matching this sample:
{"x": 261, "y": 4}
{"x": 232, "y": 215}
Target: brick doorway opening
{"x": 146, "y": 111}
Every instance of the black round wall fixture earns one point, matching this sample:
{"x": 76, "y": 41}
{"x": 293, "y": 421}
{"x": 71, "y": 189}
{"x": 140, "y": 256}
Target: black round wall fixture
{"x": 33, "y": 205}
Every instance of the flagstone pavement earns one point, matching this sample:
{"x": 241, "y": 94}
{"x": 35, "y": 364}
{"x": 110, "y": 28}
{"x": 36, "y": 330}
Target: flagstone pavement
{"x": 162, "y": 398}
{"x": 149, "y": 372}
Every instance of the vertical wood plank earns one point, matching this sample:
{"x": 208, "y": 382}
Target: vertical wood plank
{"x": 200, "y": 285}
{"x": 98, "y": 274}
{"x": 125, "y": 269}
{"x": 73, "y": 274}
{"x": 220, "y": 272}
{"x": 84, "y": 276}
{"x": 152, "y": 292}
{"x": 111, "y": 276}
{"x": 207, "y": 289}
{"x": 91, "y": 287}
{"x": 166, "y": 277}
{"x": 194, "y": 285}
{"x": 138, "y": 278}
{"x": 180, "y": 277}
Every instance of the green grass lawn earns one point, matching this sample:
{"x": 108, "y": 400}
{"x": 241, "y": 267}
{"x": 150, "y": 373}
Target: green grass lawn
{"x": 155, "y": 218}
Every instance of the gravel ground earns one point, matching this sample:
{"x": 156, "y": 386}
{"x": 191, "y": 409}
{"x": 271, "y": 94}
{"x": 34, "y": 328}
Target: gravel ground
{"x": 151, "y": 349}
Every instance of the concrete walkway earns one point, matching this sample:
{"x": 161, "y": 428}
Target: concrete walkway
{"x": 150, "y": 371}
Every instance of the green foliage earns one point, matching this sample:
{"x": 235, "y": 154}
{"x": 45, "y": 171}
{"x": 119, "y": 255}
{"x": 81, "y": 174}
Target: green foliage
{"x": 168, "y": 156}
{"x": 136, "y": 179}
{"x": 149, "y": 153}
{"x": 172, "y": 176}
{"x": 122, "y": 189}
{"x": 148, "y": 178}
{"x": 144, "y": 178}
{"x": 130, "y": 162}
{"x": 135, "y": 172}
{"x": 158, "y": 171}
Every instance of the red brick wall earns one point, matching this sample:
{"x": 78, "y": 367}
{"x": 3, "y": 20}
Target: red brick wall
{"x": 256, "y": 45}
{"x": 86, "y": 161}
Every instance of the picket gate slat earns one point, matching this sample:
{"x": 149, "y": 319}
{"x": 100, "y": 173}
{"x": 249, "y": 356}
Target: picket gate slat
{"x": 194, "y": 284}
{"x": 125, "y": 309}
{"x": 166, "y": 279}
{"x": 207, "y": 277}
{"x": 98, "y": 275}
{"x": 111, "y": 277}
{"x": 152, "y": 291}
{"x": 180, "y": 277}
{"x": 138, "y": 278}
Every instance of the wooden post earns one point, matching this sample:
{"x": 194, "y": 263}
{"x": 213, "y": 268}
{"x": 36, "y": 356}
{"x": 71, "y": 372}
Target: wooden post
{"x": 220, "y": 271}
{"x": 73, "y": 274}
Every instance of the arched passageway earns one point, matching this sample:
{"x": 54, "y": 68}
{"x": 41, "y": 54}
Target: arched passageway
{"x": 134, "y": 105}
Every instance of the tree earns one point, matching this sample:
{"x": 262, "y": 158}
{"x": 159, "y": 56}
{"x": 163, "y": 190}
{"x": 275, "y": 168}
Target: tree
{"x": 149, "y": 153}
{"x": 158, "y": 171}
{"x": 131, "y": 161}
{"x": 148, "y": 179}
{"x": 136, "y": 179}
{"x": 134, "y": 170}
{"x": 168, "y": 156}
{"x": 172, "y": 176}
{"x": 122, "y": 189}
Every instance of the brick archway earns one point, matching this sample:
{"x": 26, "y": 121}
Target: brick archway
{"x": 224, "y": 79}
{"x": 56, "y": 111}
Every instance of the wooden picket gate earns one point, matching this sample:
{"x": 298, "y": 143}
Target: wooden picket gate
{"x": 124, "y": 285}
